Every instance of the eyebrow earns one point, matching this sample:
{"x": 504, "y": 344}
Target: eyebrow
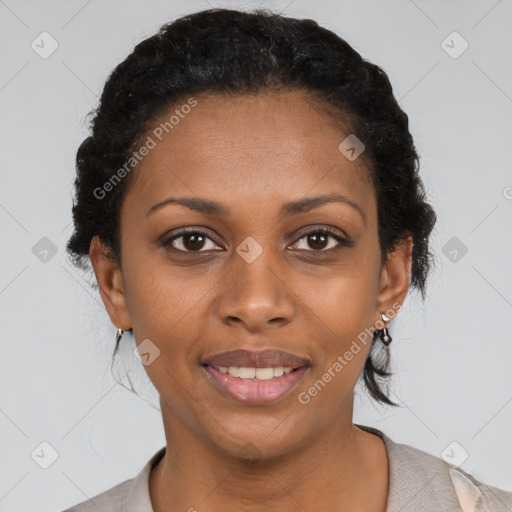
{"x": 304, "y": 205}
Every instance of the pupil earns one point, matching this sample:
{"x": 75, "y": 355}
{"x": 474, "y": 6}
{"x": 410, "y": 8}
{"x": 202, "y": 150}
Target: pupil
{"x": 315, "y": 237}
{"x": 195, "y": 244}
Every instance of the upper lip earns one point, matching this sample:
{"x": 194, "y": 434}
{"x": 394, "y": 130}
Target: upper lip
{"x": 261, "y": 359}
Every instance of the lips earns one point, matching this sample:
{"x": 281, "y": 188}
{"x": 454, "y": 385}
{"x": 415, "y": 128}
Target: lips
{"x": 253, "y": 391}
{"x": 252, "y": 359}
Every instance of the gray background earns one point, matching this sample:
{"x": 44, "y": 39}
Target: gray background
{"x": 452, "y": 355}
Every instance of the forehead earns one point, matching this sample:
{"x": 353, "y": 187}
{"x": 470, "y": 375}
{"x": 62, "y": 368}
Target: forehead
{"x": 253, "y": 148}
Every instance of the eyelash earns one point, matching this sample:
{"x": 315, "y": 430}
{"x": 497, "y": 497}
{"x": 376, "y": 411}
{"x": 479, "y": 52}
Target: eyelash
{"x": 343, "y": 242}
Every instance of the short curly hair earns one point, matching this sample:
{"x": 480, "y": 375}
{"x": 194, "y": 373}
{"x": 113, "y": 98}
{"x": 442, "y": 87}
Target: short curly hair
{"x": 226, "y": 51}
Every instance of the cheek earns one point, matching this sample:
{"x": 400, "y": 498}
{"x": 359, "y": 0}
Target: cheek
{"x": 347, "y": 301}
{"x": 169, "y": 306}
{"x": 166, "y": 308}
{"x": 345, "y": 312}
{"x": 342, "y": 347}
{"x": 164, "y": 300}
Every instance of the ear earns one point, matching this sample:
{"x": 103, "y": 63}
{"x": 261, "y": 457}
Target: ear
{"x": 395, "y": 279}
{"x": 110, "y": 283}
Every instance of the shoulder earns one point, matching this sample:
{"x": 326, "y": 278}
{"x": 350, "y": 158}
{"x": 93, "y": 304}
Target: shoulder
{"x": 112, "y": 500}
{"x": 420, "y": 481}
{"x": 130, "y": 495}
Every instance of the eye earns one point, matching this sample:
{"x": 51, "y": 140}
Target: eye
{"x": 318, "y": 238}
{"x": 190, "y": 240}
{"x": 196, "y": 240}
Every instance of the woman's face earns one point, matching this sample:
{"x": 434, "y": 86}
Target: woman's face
{"x": 252, "y": 278}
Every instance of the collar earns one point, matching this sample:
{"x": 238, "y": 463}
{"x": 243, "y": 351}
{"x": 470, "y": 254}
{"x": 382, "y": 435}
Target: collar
{"x": 138, "y": 494}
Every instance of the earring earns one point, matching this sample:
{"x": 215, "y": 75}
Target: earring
{"x": 119, "y": 335}
{"x": 384, "y": 334}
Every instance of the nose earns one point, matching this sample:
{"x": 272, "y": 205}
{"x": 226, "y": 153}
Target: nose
{"x": 256, "y": 294}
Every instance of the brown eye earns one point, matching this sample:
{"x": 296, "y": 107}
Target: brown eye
{"x": 190, "y": 241}
{"x": 318, "y": 240}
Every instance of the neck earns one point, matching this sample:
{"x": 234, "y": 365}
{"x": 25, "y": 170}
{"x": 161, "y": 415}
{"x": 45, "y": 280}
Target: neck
{"x": 335, "y": 469}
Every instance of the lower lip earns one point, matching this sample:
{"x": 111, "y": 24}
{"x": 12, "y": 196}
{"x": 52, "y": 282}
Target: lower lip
{"x": 253, "y": 391}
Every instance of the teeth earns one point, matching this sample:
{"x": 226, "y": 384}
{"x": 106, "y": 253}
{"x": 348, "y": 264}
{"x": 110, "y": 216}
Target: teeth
{"x": 255, "y": 373}
{"x": 245, "y": 373}
{"x": 278, "y": 371}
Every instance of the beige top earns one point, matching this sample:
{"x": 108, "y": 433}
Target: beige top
{"x": 418, "y": 482}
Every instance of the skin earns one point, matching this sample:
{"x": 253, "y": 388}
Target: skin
{"x": 253, "y": 154}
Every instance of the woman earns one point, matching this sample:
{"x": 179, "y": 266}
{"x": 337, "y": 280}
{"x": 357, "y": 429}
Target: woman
{"x": 250, "y": 203}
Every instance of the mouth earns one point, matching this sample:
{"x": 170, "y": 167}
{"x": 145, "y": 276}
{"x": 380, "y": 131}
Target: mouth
{"x": 255, "y": 386}
{"x": 255, "y": 377}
